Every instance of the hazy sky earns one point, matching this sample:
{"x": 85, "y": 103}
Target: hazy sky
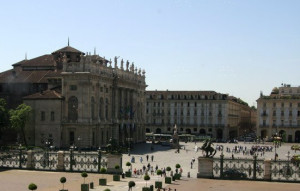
{"x": 237, "y": 47}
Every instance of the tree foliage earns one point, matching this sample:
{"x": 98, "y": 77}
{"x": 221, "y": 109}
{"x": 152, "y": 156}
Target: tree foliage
{"x": 4, "y": 115}
{"x": 18, "y": 119}
{"x": 32, "y": 186}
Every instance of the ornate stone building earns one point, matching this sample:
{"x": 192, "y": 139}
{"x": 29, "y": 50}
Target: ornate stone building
{"x": 279, "y": 113}
{"x": 78, "y": 99}
{"x": 197, "y": 112}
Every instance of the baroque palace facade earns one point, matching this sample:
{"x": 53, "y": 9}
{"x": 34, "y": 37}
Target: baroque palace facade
{"x": 78, "y": 99}
{"x": 205, "y": 113}
{"x": 279, "y": 114}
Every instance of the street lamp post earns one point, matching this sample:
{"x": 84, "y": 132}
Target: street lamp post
{"x": 79, "y": 139}
{"x": 128, "y": 139}
{"x": 275, "y": 144}
{"x": 99, "y": 159}
{"x": 47, "y": 143}
{"x": 288, "y": 171}
{"x": 71, "y": 157}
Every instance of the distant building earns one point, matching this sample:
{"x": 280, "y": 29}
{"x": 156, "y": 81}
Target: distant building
{"x": 201, "y": 113}
{"x": 78, "y": 99}
{"x": 279, "y": 114}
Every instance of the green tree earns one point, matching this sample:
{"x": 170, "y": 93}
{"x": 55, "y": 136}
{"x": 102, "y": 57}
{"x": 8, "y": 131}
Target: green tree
{"x": 63, "y": 180}
{"x": 146, "y": 178}
{"x": 32, "y": 186}
{"x": 130, "y": 185}
{"x": 18, "y": 119}
{"x": 4, "y": 115}
{"x": 84, "y": 175}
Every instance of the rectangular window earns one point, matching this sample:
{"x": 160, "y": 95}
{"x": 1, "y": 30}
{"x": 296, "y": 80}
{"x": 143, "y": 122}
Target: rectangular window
{"x": 73, "y": 87}
{"x": 43, "y": 117}
{"x": 71, "y": 137}
{"x": 52, "y": 115}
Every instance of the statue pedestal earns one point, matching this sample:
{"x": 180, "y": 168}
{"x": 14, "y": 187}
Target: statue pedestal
{"x": 112, "y": 161}
{"x": 175, "y": 142}
{"x": 205, "y": 167}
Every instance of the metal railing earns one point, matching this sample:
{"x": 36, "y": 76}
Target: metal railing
{"x": 249, "y": 168}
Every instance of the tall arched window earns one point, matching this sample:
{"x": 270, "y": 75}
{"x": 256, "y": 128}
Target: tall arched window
{"x": 106, "y": 108}
{"x": 101, "y": 108}
{"x": 93, "y": 108}
{"x": 73, "y": 109}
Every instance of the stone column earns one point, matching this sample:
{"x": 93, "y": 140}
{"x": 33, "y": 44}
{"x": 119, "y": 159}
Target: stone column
{"x": 267, "y": 171}
{"x": 30, "y": 160}
{"x": 60, "y": 161}
{"x": 205, "y": 167}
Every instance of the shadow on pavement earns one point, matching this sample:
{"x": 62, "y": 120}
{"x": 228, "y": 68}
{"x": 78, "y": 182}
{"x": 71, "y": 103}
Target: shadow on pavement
{"x": 145, "y": 148}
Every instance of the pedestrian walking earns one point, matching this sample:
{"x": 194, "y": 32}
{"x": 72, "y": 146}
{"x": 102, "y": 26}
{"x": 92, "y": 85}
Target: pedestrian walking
{"x": 152, "y": 157}
{"x": 141, "y": 159}
{"x": 147, "y": 157}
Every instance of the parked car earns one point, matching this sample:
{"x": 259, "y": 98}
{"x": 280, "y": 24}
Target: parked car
{"x": 234, "y": 174}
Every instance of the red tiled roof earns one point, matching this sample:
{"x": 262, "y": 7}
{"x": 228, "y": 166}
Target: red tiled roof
{"x": 45, "y": 60}
{"x": 48, "y": 94}
{"x": 36, "y": 76}
{"x": 68, "y": 49}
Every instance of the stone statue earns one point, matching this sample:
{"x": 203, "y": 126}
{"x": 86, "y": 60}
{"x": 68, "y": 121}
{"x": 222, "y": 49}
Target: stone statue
{"x": 103, "y": 61}
{"x": 122, "y": 62}
{"x": 116, "y": 62}
{"x": 110, "y": 62}
{"x": 175, "y": 139}
{"x": 127, "y": 65}
{"x": 140, "y": 71}
{"x": 208, "y": 149}
{"x": 175, "y": 130}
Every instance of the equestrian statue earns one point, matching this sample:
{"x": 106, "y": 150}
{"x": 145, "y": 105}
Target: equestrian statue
{"x": 208, "y": 149}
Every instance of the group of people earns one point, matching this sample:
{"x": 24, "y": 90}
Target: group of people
{"x": 141, "y": 159}
{"x": 239, "y": 149}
